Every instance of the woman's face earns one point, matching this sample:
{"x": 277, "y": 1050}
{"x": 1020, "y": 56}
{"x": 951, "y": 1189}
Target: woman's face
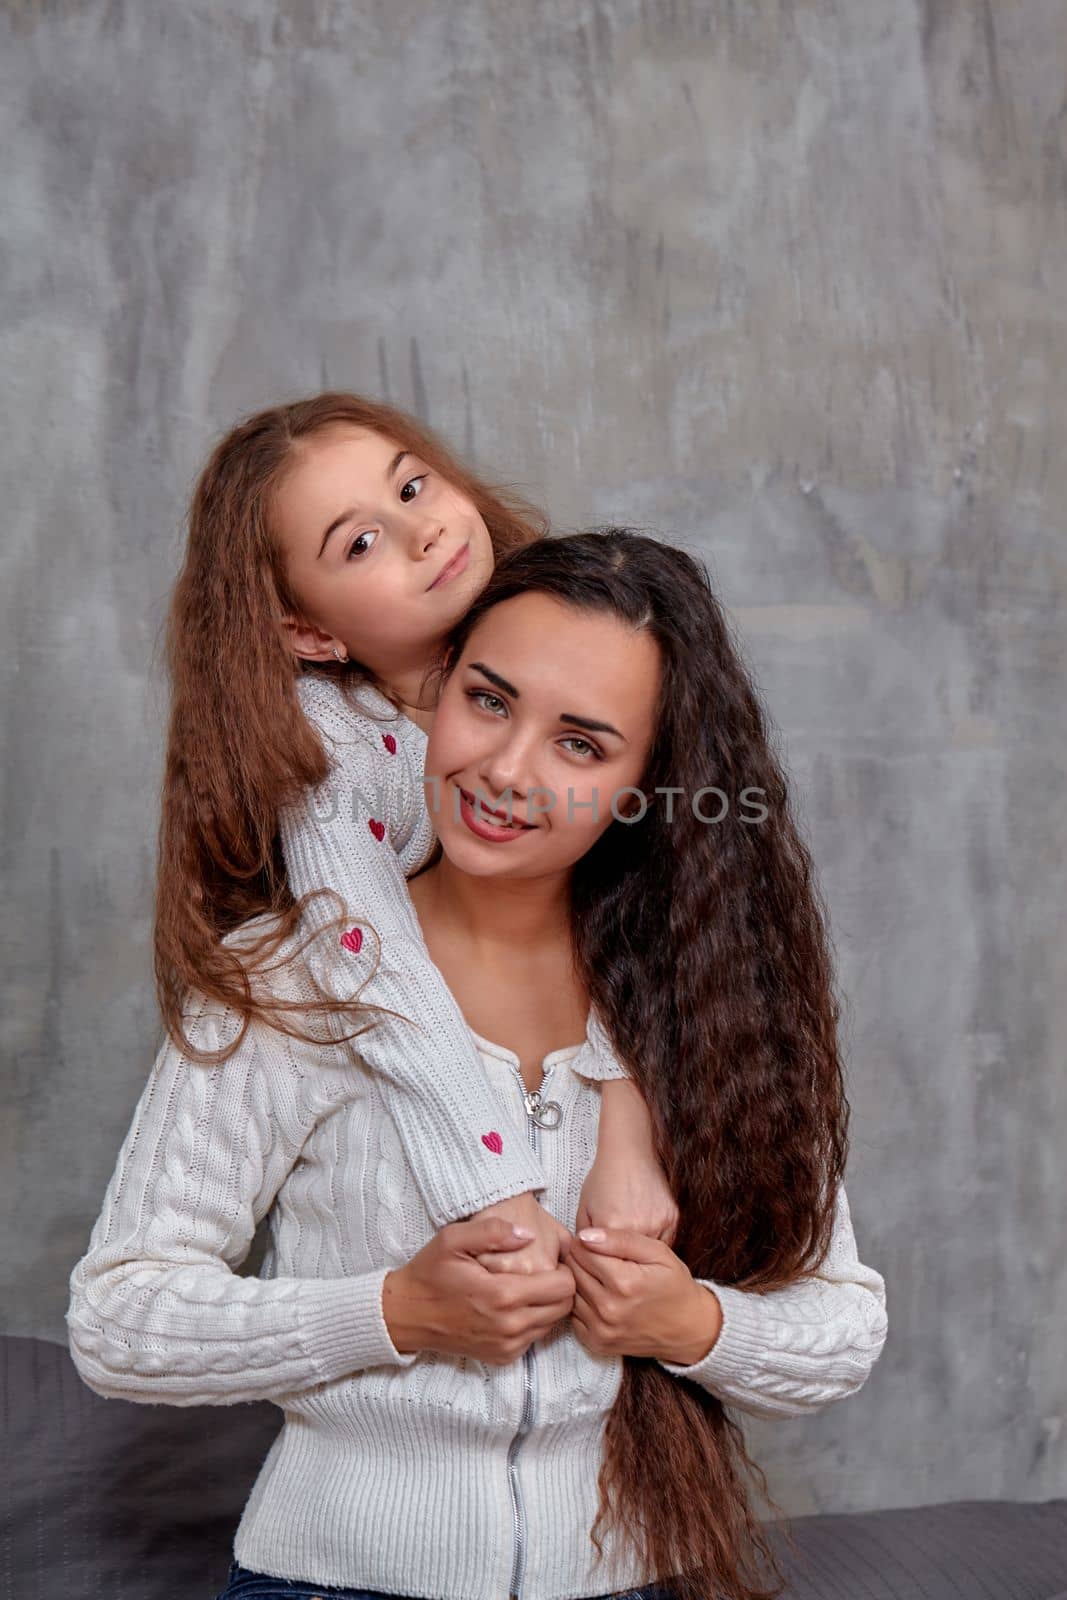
{"x": 553, "y": 710}
{"x": 366, "y": 533}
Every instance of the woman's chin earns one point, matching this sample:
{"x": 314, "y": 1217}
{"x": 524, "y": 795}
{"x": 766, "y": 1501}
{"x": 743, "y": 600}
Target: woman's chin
{"x": 478, "y": 858}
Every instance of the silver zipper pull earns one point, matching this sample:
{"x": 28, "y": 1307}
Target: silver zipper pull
{"x": 547, "y": 1113}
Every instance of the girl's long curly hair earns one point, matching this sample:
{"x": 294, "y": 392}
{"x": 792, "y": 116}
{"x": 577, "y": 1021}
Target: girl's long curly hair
{"x": 707, "y": 959}
{"x": 239, "y": 746}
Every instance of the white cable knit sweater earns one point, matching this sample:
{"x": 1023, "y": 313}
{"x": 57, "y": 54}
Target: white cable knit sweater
{"x": 422, "y": 1474}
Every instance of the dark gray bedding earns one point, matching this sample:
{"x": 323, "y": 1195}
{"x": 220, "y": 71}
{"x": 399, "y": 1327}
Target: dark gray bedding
{"x": 117, "y": 1501}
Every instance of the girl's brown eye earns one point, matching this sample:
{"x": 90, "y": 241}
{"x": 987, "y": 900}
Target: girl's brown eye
{"x": 354, "y": 549}
{"x": 418, "y": 479}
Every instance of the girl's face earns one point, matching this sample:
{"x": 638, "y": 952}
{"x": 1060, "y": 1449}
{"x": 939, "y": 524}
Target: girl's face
{"x": 552, "y": 709}
{"x": 366, "y": 532}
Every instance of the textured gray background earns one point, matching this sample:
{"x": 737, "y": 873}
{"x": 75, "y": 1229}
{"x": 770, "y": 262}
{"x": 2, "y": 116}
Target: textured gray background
{"x": 784, "y": 282}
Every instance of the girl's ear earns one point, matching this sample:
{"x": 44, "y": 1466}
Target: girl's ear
{"x": 304, "y": 639}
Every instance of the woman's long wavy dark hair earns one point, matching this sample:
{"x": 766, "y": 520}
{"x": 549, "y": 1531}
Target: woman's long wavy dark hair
{"x": 239, "y": 746}
{"x": 706, "y": 955}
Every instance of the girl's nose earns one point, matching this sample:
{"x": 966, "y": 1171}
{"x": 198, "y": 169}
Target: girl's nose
{"x": 426, "y": 537}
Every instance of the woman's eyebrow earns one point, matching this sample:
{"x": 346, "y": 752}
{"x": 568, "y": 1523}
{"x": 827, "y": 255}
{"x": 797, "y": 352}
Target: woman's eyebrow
{"x": 346, "y": 516}
{"x": 589, "y": 723}
{"x": 494, "y": 677}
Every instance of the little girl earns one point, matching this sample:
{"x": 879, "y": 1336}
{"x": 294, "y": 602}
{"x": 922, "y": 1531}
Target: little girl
{"x": 332, "y": 545}
{"x": 469, "y": 1434}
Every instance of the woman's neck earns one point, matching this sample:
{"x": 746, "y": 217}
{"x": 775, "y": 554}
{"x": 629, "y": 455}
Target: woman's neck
{"x": 506, "y": 950}
{"x": 500, "y": 917}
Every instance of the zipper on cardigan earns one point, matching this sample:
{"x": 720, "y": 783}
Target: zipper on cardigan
{"x": 540, "y": 1114}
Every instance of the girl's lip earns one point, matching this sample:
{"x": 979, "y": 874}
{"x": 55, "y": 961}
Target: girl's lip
{"x": 486, "y": 830}
{"x": 451, "y": 568}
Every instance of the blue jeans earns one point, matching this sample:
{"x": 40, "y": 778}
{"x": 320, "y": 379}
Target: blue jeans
{"x": 246, "y": 1585}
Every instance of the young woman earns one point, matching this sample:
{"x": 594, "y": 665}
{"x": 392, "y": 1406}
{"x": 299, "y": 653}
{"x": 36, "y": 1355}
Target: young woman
{"x": 332, "y": 545}
{"x": 451, "y": 1429}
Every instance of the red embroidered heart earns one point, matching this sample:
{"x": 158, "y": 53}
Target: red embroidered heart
{"x": 390, "y": 743}
{"x": 378, "y": 829}
{"x": 494, "y": 1142}
{"x": 353, "y": 940}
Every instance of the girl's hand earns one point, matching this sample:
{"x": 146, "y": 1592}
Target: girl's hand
{"x": 443, "y": 1300}
{"x": 626, "y": 1187}
{"x": 628, "y": 1192}
{"x": 542, "y": 1254}
{"x": 634, "y": 1297}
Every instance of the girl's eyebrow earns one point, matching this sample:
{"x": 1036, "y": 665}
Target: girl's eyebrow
{"x": 565, "y": 716}
{"x": 352, "y": 511}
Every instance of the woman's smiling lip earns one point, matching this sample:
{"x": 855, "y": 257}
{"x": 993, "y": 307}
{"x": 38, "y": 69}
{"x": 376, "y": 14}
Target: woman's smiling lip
{"x": 475, "y": 818}
{"x": 489, "y": 811}
{"x": 451, "y": 568}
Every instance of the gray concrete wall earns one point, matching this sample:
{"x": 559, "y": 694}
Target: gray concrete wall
{"x": 782, "y": 281}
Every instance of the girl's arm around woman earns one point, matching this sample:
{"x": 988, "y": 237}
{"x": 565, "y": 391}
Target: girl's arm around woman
{"x": 348, "y": 837}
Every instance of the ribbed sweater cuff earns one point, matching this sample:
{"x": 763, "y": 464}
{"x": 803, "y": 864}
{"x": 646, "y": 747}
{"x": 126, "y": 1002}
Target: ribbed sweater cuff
{"x": 740, "y": 1351}
{"x": 343, "y": 1327}
{"x": 476, "y": 1178}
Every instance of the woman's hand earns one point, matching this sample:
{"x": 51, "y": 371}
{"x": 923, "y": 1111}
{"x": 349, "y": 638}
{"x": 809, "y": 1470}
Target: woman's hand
{"x": 626, "y": 1187}
{"x": 635, "y": 1297}
{"x": 443, "y": 1300}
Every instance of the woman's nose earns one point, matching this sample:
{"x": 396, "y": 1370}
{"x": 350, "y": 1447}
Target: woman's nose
{"x": 507, "y": 767}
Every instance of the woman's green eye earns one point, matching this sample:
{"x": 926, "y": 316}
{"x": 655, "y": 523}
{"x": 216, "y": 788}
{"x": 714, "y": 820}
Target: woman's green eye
{"x": 485, "y": 694}
{"x": 482, "y": 695}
